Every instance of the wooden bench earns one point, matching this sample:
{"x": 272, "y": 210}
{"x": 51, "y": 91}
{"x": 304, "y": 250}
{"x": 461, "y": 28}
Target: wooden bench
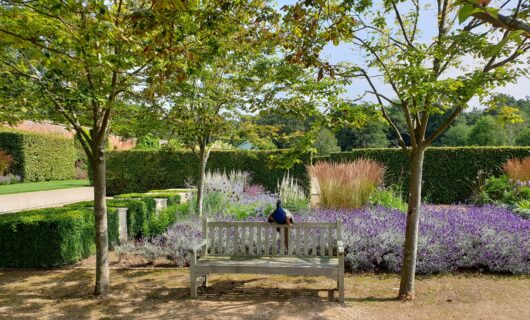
{"x": 306, "y": 249}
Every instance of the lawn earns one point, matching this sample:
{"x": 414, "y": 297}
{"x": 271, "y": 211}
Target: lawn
{"x": 42, "y": 186}
{"x": 163, "y": 294}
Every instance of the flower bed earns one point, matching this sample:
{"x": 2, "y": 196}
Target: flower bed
{"x": 451, "y": 238}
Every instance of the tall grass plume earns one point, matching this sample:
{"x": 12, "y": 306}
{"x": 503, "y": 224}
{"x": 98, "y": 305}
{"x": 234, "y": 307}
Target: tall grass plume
{"x": 346, "y": 185}
{"x": 518, "y": 169}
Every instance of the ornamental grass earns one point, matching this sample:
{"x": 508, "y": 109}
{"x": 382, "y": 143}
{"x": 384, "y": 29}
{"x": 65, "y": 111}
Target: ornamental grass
{"x": 518, "y": 169}
{"x": 346, "y": 185}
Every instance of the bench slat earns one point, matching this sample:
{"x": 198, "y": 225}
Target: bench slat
{"x": 306, "y": 241}
{"x": 274, "y": 241}
{"x": 211, "y": 234}
{"x": 290, "y": 240}
{"x": 219, "y": 240}
{"x": 298, "y": 250}
{"x": 244, "y": 240}
{"x": 267, "y": 241}
{"x": 258, "y": 241}
{"x": 322, "y": 237}
{"x": 235, "y": 249}
{"x": 227, "y": 246}
{"x": 330, "y": 241}
{"x": 251, "y": 241}
{"x": 314, "y": 252}
{"x": 282, "y": 241}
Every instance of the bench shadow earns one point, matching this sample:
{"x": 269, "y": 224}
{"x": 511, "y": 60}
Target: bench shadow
{"x": 235, "y": 290}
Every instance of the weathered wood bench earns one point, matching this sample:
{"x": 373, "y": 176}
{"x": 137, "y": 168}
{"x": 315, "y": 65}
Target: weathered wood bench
{"x": 306, "y": 249}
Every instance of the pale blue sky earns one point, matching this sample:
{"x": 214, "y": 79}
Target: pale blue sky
{"x": 345, "y": 53}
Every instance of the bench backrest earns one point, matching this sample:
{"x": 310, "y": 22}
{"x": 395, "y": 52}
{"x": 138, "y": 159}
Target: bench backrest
{"x": 241, "y": 238}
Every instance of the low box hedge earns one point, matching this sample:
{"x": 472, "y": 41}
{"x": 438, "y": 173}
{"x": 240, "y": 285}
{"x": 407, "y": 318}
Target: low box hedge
{"x": 449, "y": 173}
{"x": 172, "y": 198}
{"x": 138, "y": 214}
{"x": 142, "y": 220}
{"x": 39, "y": 157}
{"x": 50, "y": 237}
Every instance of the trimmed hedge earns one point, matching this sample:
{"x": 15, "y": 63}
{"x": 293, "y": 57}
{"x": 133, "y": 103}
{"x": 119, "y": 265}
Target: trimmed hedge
{"x": 138, "y": 214}
{"x": 40, "y": 157}
{"x": 448, "y": 173}
{"x": 172, "y": 198}
{"x": 142, "y": 170}
{"x": 142, "y": 220}
{"x": 50, "y": 237}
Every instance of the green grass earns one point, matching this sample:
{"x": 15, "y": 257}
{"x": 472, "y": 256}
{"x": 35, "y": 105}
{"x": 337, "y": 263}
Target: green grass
{"x": 41, "y": 186}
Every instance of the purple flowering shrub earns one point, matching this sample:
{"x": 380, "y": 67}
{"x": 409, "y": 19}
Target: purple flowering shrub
{"x": 451, "y": 238}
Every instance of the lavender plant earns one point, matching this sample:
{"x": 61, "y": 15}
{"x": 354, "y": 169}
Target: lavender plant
{"x": 10, "y": 179}
{"x": 232, "y": 195}
{"x": 450, "y": 238}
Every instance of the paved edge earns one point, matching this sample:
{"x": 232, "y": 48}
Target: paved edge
{"x": 44, "y": 199}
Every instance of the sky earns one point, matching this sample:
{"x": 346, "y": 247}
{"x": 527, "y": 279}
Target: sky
{"x": 345, "y": 53}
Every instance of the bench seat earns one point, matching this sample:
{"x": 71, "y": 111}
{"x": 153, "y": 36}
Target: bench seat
{"x": 303, "y": 266}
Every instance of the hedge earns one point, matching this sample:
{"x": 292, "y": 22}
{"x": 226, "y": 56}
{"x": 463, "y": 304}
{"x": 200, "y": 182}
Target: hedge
{"x": 39, "y": 157}
{"x": 50, "y": 237}
{"x": 138, "y": 214}
{"x": 141, "y": 218}
{"x": 449, "y": 173}
{"x": 172, "y": 198}
{"x": 142, "y": 170}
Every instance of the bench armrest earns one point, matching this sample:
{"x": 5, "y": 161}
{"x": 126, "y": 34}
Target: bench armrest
{"x": 340, "y": 248}
{"x": 199, "y": 247}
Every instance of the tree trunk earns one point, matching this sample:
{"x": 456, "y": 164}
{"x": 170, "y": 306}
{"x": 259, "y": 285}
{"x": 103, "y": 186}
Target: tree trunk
{"x": 100, "y": 212}
{"x": 203, "y": 157}
{"x": 408, "y": 269}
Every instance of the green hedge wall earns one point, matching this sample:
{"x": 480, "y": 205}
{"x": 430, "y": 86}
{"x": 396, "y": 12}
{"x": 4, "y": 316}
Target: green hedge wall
{"x": 49, "y": 237}
{"x": 140, "y": 170}
{"x": 448, "y": 173}
{"x": 40, "y": 157}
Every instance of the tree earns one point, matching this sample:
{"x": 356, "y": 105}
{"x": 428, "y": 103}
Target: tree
{"x": 523, "y": 139}
{"x": 487, "y": 132}
{"x": 512, "y": 15}
{"x": 326, "y": 143}
{"x": 416, "y": 70}
{"x": 371, "y": 135}
{"x": 456, "y": 135}
{"x": 80, "y": 61}
{"x": 204, "y": 103}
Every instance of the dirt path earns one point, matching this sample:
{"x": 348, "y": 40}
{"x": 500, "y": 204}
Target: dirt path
{"x": 163, "y": 294}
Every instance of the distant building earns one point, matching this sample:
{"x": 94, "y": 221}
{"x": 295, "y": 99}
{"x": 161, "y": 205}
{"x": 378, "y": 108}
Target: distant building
{"x": 247, "y": 145}
{"x": 117, "y": 143}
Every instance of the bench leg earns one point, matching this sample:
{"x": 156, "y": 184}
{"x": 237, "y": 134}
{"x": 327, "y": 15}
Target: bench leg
{"x": 340, "y": 285}
{"x": 193, "y": 284}
{"x": 204, "y": 280}
{"x": 340, "y": 282}
{"x": 193, "y": 275}
{"x": 331, "y": 295}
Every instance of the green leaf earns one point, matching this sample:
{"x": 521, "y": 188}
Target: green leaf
{"x": 467, "y": 11}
